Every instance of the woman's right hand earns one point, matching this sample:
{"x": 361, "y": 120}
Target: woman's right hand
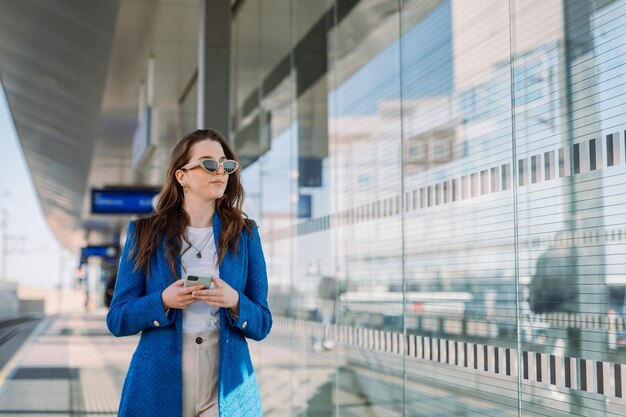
{"x": 177, "y": 296}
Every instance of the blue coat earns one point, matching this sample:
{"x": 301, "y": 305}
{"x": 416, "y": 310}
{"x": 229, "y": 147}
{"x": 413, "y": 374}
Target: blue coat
{"x": 153, "y": 385}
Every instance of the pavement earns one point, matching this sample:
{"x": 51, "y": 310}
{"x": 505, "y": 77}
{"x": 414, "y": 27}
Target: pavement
{"x": 71, "y": 366}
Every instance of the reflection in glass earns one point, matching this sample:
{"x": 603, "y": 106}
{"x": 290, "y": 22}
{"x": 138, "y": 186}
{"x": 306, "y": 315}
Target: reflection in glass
{"x": 439, "y": 187}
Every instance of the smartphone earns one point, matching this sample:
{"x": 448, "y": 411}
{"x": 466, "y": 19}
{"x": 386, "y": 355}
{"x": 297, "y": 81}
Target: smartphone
{"x": 195, "y": 280}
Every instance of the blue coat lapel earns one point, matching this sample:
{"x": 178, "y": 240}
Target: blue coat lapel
{"x": 230, "y": 268}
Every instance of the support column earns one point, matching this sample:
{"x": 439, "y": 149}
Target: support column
{"x": 214, "y": 65}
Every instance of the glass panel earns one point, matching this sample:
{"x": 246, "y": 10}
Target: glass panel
{"x": 460, "y": 293}
{"x": 266, "y": 134}
{"x": 569, "y": 92}
{"x": 365, "y": 154}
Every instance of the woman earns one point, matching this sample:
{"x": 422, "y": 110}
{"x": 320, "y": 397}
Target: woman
{"x": 192, "y": 358}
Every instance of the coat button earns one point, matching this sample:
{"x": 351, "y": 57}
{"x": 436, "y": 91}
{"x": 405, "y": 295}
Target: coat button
{"x": 156, "y": 323}
{"x": 244, "y": 324}
{"x": 199, "y": 340}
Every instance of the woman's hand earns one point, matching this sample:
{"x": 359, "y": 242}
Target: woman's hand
{"x": 223, "y": 295}
{"x": 177, "y": 296}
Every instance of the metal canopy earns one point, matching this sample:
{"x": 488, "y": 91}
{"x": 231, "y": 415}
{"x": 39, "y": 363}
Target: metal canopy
{"x": 53, "y": 63}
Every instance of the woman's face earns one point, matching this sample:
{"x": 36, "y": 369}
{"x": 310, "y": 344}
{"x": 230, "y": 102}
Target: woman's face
{"x": 202, "y": 184}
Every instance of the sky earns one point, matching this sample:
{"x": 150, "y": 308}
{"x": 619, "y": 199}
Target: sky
{"x": 33, "y": 255}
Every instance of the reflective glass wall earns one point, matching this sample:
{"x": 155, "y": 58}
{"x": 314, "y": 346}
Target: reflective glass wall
{"x": 440, "y": 189}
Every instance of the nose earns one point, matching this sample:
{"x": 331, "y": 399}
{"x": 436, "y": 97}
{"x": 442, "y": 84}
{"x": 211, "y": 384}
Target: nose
{"x": 220, "y": 170}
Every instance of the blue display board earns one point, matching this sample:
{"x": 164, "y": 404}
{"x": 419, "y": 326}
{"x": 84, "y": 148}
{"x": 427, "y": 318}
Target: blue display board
{"x": 123, "y": 200}
{"x": 105, "y": 251}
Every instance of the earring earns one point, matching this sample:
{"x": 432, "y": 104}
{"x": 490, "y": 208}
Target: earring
{"x": 185, "y": 187}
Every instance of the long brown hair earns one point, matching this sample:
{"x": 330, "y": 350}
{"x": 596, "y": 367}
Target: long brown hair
{"x": 170, "y": 220}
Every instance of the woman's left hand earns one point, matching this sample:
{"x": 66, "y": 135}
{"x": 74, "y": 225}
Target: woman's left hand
{"x": 223, "y": 295}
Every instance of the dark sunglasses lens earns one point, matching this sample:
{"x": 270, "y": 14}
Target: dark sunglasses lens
{"x": 210, "y": 165}
{"x": 230, "y": 166}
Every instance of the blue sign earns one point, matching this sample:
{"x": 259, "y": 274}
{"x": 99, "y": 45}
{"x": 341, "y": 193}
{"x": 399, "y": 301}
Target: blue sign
{"x": 123, "y": 200}
{"x": 109, "y": 252}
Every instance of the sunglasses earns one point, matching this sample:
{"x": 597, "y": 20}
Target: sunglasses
{"x": 212, "y": 166}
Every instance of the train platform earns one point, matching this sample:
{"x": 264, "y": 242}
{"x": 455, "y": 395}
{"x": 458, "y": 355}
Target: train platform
{"x": 70, "y": 365}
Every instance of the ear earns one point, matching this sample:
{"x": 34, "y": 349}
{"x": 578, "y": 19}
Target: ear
{"x": 180, "y": 176}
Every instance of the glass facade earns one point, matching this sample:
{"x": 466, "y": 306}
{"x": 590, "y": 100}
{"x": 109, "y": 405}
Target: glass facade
{"x": 440, "y": 191}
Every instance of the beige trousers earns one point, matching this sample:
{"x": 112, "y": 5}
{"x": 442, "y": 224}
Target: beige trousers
{"x": 200, "y": 373}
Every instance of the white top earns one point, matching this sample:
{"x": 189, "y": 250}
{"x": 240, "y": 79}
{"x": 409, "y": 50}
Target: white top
{"x": 199, "y": 316}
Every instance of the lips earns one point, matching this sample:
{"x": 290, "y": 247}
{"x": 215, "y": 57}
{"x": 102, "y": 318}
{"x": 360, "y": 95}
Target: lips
{"x": 218, "y": 182}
